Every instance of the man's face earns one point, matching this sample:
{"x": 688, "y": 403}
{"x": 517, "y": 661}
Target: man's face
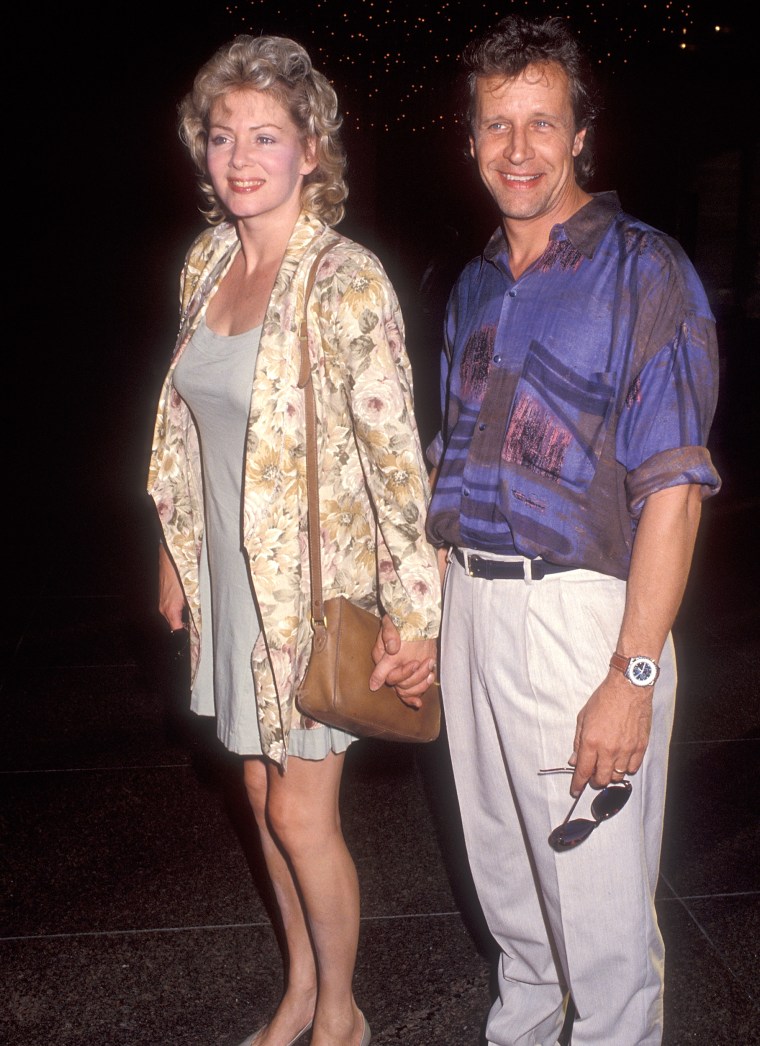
{"x": 524, "y": 141}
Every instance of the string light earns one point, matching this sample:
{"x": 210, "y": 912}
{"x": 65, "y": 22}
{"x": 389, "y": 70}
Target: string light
{"x": 383, "y": 54}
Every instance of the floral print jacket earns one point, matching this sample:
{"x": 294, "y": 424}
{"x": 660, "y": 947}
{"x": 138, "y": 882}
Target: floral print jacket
{"x": 370, "y": 460}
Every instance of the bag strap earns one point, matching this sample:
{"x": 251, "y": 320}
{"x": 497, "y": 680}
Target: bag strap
{"x": 318, "y": 621}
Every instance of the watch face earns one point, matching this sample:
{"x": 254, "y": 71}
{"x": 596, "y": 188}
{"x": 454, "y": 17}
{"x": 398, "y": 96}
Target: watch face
{"x": 641, "y": 671}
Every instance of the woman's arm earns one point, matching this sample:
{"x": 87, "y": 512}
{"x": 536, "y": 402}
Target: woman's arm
{"x": 379, "y": 387}
{"x": 171, "y": 598}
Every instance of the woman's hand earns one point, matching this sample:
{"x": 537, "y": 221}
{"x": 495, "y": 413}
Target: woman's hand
{"x": 171, "y": 598}
{"x": 408, "y": 666}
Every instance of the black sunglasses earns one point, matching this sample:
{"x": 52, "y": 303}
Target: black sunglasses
{"x": 607, "y": 803}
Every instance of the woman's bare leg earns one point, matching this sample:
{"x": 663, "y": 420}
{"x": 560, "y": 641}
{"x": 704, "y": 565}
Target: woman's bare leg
{"x": 299, "y": 998}
{"x": 317, "y": 892}
{"x": 304, "y": 816}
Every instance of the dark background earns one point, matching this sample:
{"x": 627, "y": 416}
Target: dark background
{"x": 127, "y": 914}
{"x": 107, "y": 206}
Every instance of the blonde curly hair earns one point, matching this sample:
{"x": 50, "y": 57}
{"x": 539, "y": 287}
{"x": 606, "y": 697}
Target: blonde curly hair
{"x": 281, "y": 68}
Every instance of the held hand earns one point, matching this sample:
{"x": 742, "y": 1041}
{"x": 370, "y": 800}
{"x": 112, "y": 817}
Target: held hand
{"x": 408, "y": 666}
{"x": 171, "y": 599}
{"x": 388, "y": 640}
{"x": 612, "y": 733}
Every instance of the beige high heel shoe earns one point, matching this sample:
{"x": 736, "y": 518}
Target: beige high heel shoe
{"x": 366, "y": 1038}
{"x": 250, "y": 1040}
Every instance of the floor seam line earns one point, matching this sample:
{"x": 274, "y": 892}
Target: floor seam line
{"x": 709, "y": 940}
{"x": 207, "y": 926}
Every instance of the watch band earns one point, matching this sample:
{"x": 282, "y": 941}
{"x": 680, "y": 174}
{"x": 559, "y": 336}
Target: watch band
{"x": 620, "y": 662}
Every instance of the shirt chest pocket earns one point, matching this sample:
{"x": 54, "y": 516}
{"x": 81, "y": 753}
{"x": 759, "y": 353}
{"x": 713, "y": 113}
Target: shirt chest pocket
{"x": 559, "y": 419}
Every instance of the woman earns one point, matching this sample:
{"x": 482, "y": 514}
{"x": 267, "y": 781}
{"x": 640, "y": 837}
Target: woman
{"x": 228, "y": 478}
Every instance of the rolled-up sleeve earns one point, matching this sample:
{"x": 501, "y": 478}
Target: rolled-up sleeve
{"x": 662, "y": 435}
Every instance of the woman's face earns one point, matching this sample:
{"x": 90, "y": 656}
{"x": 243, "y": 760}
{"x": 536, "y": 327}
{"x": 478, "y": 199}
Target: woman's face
{"x": 256, "y": 158}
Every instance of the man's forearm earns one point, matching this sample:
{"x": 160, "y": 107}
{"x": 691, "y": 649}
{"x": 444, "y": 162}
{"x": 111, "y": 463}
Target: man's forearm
{"x": 660, "y": 564}
{"x": 612, "y": 730}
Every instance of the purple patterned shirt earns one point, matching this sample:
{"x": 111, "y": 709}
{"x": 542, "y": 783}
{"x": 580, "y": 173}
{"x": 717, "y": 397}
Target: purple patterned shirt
{"x": 574, "y": 392}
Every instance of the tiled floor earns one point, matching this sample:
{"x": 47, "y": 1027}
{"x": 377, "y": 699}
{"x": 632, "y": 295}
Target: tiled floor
{"x": 131, "y": 914}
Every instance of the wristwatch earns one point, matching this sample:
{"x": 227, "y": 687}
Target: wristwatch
{"x": 639, "y": 670}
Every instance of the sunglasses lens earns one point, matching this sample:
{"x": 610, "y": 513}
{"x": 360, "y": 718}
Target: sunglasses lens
{"x": 569, "y": 834}
{"x": 611, "y": 800}
{"x": 608, "y": 802}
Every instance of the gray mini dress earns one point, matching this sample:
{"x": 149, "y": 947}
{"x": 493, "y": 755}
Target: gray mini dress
{"x": 214, "y": 377}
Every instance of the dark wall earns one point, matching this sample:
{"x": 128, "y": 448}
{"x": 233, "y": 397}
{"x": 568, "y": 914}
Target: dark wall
{"x": 109, "y": 206}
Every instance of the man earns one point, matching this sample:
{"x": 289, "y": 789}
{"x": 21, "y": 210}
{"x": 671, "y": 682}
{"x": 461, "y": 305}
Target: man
{"x": 579, "y": 385}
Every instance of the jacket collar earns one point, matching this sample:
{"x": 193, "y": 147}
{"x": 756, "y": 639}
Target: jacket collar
{"x": 221, "y": 247}
{"x": 584, "y": 229}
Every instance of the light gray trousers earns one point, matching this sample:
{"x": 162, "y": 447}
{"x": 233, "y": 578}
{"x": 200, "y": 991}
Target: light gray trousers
{"x": 518, "y": 661}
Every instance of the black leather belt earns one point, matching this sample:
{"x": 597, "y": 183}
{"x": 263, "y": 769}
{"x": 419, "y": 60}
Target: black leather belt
{"x": 500, "y": 570}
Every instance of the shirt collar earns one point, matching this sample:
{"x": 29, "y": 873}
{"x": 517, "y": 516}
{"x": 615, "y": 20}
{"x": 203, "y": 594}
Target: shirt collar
{"x": 584, "y": 229}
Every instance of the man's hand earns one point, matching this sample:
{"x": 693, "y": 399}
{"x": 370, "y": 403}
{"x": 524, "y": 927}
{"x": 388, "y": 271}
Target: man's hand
{"x": 408, "y": 666}
{"x": 612, "y": 733}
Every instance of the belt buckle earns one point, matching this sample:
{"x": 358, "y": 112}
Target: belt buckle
{"x": 468, "y": 563}
{"x": 468, "y": 559}
{"x": 534, "y": 570}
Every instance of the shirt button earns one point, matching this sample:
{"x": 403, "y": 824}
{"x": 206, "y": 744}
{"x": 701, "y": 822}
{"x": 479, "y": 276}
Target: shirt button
{"x": 466, "y": 492}
{"x": 482, "y": 427}
{"x": 513, "y": 294}
{"x": 497, "y": 359}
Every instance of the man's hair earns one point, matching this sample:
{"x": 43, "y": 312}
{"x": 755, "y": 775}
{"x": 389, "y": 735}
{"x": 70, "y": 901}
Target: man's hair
{"x": 511, "y": 46}
{"x": 282, "y": 69}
